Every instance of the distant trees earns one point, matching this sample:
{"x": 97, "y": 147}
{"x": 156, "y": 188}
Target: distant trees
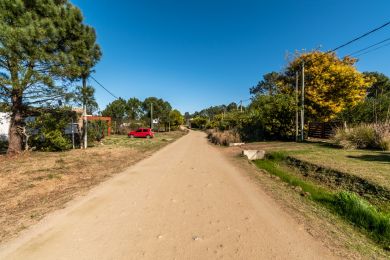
{"x": 43, "y": 46}
{"x": 380, "y": 85}
{"x": 122, "y": 111}
{"x": 117, "y": 111}
{"x": 175, "y": 118}
{"x": 134, "y": 108}
{"x": 270, "y": 85}
{"x": 161, "y": 110}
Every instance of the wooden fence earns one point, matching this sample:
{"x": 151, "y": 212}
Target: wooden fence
{"x": 323, "y": 130}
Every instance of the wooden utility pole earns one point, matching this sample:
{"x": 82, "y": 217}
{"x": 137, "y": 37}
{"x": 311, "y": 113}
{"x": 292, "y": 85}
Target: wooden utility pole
{"x": 297, "y": 107}
{"x": 303, "y": 103}
{"x": 85, "y": 116}
{"x": 72, "y": 133}
{"x": 151, "y": 115}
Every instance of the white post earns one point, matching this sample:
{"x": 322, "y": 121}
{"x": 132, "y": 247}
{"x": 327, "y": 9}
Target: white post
{"x": 297, "y": 108}
{"x": 85, "y": 127}
{"x": 303, "y": 103}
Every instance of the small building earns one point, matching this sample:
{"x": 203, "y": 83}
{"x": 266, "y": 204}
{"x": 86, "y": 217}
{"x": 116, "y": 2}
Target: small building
{"x": 5, "y": 122}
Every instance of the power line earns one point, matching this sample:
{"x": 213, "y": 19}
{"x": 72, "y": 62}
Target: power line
{"x": 369, "y": 47}
{"x": 373, "y": 50}
{"x": 354, "y": 40}
{"x": 103, "y": 87}
{"x": 360, "y": 37}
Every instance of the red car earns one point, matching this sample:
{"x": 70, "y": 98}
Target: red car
{"x": 141, "y": 132}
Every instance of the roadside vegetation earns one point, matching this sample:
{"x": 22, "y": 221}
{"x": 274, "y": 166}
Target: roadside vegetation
{"x": 348, "y": 174}
{"x": 36, "y": 183}
{"x": 361, "y": 213}
{"x": 359, "y": 103}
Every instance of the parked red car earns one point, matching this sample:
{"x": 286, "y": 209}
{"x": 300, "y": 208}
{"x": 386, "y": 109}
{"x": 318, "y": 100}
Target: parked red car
{"x": 142, "y": 133}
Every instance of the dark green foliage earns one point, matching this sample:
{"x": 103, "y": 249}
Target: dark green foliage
{"x": 231, "y": 107}
{"x": 211, "y": 112}
{"x": 86, "y": 96}
{"x": 161, "y": 111}
{"x": 47, "y": 130}
{"x": 176, "y": 119}
{"x": 198, "y": 122}
{"x": 376, "y": 106}
{"x": 117, "y": 111}
{"x": 380, "y": 87}
{"x": 268, "y": 86}
{"x": 269, "y": 117}
{"x": 134, "y": 109}
{"x": 97, "y": 130}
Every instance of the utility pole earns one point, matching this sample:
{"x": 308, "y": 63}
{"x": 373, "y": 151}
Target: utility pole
{"x": 85, "y": 116}
{"x": 240, "y": 105}
{"x": 72, "y": 133}
{"x": 297, "y": 107}
{"x": 151, "y": 115}
{"x": 303, "y": 103}
{"x": 85, "y": 127}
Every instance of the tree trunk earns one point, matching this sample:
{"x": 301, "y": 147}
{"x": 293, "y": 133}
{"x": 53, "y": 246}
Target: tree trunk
{"x": 15, "y": 138}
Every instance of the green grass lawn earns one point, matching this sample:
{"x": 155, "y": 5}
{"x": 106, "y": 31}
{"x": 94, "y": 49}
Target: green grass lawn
{"x": 373, "y": 222}
{"x": 370, "y": 165}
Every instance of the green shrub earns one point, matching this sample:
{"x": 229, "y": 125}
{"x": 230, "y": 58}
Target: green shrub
{"x": 55, "y": 141}
{"x": 269, "y": 117}
{"x": 364, "y": 136}
{"x": 199, "y": 122}
{"x": 47, "y": 130}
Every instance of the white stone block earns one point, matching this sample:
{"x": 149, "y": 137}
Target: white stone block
{"x": 254, "y": 154}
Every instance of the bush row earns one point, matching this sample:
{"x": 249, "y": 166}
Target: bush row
{"x": 364, "y": 136}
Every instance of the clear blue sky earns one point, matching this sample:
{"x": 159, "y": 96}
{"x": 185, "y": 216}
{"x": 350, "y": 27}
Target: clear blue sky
{"x": 197, "y": 53}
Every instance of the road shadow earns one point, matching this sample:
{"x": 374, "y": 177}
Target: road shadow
{"x": 380, "y": 157}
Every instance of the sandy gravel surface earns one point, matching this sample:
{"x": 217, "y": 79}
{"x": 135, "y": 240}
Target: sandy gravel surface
{"x": 187, "y": 201}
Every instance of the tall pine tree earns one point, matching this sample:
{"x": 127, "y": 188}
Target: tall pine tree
{"x": 43, "y": 46}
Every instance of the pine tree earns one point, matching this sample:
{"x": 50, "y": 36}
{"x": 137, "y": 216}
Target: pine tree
{"x": 43, "y": 46}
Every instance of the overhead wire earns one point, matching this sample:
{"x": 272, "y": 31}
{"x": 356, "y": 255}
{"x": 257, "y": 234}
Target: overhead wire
{"x": 368, "y": 47}
{"x": 101, "y": 85}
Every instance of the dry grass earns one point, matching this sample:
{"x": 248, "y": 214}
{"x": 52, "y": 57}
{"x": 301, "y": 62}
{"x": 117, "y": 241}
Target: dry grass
{"x": 33, "y": 184}
{"x": 364, "y": 136}
{"x": 223, "y": 137}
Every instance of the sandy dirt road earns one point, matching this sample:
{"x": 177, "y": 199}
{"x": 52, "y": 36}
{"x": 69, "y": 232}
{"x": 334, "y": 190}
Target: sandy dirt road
{"x": 187, "y": 201}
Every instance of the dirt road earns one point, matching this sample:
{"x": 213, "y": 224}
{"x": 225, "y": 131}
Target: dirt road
{"x": 187, "y": 201}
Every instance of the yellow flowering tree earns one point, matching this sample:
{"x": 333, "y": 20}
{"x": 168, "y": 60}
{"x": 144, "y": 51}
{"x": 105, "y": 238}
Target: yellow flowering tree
{"x": 331, "y": 84}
